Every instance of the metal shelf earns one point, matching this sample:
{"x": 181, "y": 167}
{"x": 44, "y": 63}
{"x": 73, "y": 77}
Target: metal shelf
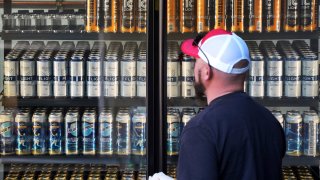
{"x": 74, "y": 36}
{"x": 255, "y": 36}
{"x": 67, "y": 102}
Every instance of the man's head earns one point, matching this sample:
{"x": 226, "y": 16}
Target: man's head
{"x": 222, "y": 60}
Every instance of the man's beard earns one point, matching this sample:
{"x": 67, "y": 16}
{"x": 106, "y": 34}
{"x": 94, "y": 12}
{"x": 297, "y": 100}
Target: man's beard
{"x": 199, "y": 88}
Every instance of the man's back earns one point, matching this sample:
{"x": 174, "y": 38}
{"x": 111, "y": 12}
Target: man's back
{"x": 233, "y": 138}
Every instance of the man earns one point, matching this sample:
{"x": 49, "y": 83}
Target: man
{"x": 234, "y": 138}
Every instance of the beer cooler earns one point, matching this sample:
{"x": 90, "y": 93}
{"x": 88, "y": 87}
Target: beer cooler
{"x": 283, "y": 38}
{"x": 78, "y": 89}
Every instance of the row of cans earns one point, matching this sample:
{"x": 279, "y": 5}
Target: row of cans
{"x": 241, "y": 15}
{"x": 75, "y": 71}
{"x": 73, "y": 172}
{"x": 74, "y": 132}
{"x": 39, "y": 21}
{"x": 283, "y": 70}
{"x": 297, "y": 172}
{"x": 126, "y": 16}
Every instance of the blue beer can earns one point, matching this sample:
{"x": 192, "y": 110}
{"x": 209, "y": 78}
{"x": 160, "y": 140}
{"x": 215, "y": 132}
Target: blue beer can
{"x": 89, "y": 132}
{"x": 310, "y": 133}
{"x": 72, "y": 130}
{"x": 106, "y": 132}
{"x": 173, "y": 132}
{"x": 123, "y": 121}
{"x": 39, "y": 145}
{"x": 139, "y": 133}
{"x": 23, "y": 132}
{"x": 55, "y": 130}
{"x": 6, "y": 133}
{"x": 294, "y": 133}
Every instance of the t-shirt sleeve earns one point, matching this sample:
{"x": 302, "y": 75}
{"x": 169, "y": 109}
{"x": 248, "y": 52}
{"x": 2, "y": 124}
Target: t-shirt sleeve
{"x": 197, "y": 155}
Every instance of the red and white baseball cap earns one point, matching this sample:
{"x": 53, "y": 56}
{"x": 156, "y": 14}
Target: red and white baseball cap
{"x": 221, "y": 48}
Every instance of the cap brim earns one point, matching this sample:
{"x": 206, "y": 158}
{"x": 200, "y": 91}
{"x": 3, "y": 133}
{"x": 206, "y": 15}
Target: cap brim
{"x": 189, "y": 49}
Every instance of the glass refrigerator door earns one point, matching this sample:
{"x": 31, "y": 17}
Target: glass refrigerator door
{"x": 75, "y": 93}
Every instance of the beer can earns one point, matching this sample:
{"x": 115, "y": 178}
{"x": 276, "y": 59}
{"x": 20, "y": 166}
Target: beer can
{"x": 92, "y": 23}
{"x": 89, "y": 133}
{"x": 310, "y": 133}
{"x": 138, "y": 134}
{"x": 93, "y": 76}
{"x": 11, "y": 76}
{"x": 111, "y": 18}
{"x": 44, "y": 77}
{"x": 291, "y": 15}
{"x": 255, "y": 15}
{"x": 173, "y": 76}
{"x": 173, "y": 132}
{"x": 256, "y": 76}
{"x": 128, "y": 76}
{"x": 27, "y": 77}
{"x": 292, "y": 76}
{"x": 278, "y": 115}
{"x": 220, "y": 16}
{"x": 142, "y": 76}
{"x": 111, "y": 76}
{"x": 274, "y": 77}
{"x": 187, "y": 15}
{"x": 55, "y": 133}
{"x": 141, "y": 24}
{"x": 23, "y": 133}
{"x": 204, "y": 14}
{"x": 6, "y": 133}
{"x": 127, "y": 16}
{"x": 60, "y": 77}
{"x": 187, "y": 77}
{"x": 294, "y": 133}
{"x": 308, "y": 15}
{"x": 172, "y": 16}
{"x": 76, "y": 77}
{"x": 310, "y": 75}
{"x": 187, "y": 115}
{"x": 39, "y": 146}
{"x": 106, "y": 132}
{"x": 123, "y": 121}
{"x": 273, "y": 15}
{"x": 237, "y": 15}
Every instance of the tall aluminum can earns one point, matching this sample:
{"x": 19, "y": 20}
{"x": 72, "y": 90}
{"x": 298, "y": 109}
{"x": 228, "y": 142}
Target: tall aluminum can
{"x": 106, "y": 140}
{"x": 256, "y": 76}
{"x": 128, "y": 76}
{"x": 138, "y": 135}
{"x": 77, "y": 77}
{"x": 308, "y": 15}
{"x": 7, "y": 138}
{"x": 92, "y": 24}
{"x": 93, "y": 76}
{"x": 27, "y": 77}
{"x": 111, "y": 19}
{"x": 292, "y": 77}
{"x": 60, "y": 77}
{"x": 310, "y": 133}
{"x": 23, "y": 133}
{"x": 237, "y": 15}
{"x": 141, "y": 16}
{"x": 255, "y": 15}
{"x": 11, "y": 76}
{"x": 273, "y": 15}
{"x": 187, "y": 115}
{"x": 187, "y": 16}
{"x": 142, "y": 76}
{"x": 274, "y": 77}
{"x": 127, "y": 16}
{"x": 173, "y": 132}
{"x": 72, "y": 132}
{"x": 55, "y": 133}
{"x": 123, "y": 121}
{"x": 111, "y": 76}
{"x": 39, "y": 120}
{"x": 278, "y": 115}
{"x": 291, "y": 15}
{"x": 89, "y": 133}
{"x": 220, "y": 16}
{"x": 187, "y": 77}
{"x": 310, "y": 75}
{"x": 294, "y": 133}
{"x": 44, "y": 77}
{"x": 172, "y": 16}
{"x": 204, "y": 15}
{"x": 173, "y": 76}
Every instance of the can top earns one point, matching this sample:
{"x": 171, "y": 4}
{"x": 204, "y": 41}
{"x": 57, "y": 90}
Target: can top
{"x": 6, "y": 117}
{"x": 139, "y": 118}
{"x": 89, "y": 117}
{"x": 106, "y": 116}
{"x": 309, "y": 116}
{"x": 55, "y": 117}
{"x": 22, "y": 117}
{"x": 293, "y": 117}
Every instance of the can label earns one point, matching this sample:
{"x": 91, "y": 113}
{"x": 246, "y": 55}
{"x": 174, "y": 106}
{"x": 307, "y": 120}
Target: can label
{"x": 173, "y": 74}
{"x": 220, "y": 14}
{"x": 274, "y": 78}
{"x": 306, "y": 14}
{"x": 89, "y": 146}
{"x": 187, "y": 79}
{"x": 111, "y": 79}
{"x": 256, "y": 79}
{"x": 142, "y": 16}
{"x": 76, "y": 78}
{"x": 23, "y": 138}
{"x": 123, "y": 141}
{"x": 55, "y": 138}
{"x": 310, "y": 78}
{"x": 255, "y": 15}
{"x": 172, "y": 15}
{"x": 292, "y": 79}
{"x": 294, "y": 138}
{"x": 173, "y": 137}
{"x": 292, "y": 10}
{"x": 237, "y": 7}
{"x": 106, "y": 138}
{"x": 310, "y": 138}
{"x": 27, "y": 79}
{"x": 93, "y": 78}
{"x": 72, "y": 136}
{"x": 60, "y": 78}
{"x": 273, "y": 15}
{"x": 7, "y": 138}
{"x": 204, "y": 12}
{"x": 139, "y": 134}
{"x": 187, "y": 15}
{"x": 128, "y": 79}
{"x": 127, "y": 16}
{"x": 11, "y": 74}
{"x": 141, "y": 78}
{"x": 39, "y": 142}
{"x": 44, "y": 74}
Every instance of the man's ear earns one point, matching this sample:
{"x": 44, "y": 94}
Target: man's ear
{"x": 208, "y": 74}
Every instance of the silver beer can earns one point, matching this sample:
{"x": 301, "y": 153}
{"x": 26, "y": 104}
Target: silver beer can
{"x": 93, "y": 76}
{"x": 11, "y": 76}
{"x": 60, "y": 77}
{"x": 39, "y": 120}
{"x": 142, "y": 76}
{"x": 23, "y": 129}
{"x": 128, "y": 73}
{"x": 187, "y": 77}
{"x": 123, "y": 121}
{"x": 27, "y": 77}
{"x": 310, "y": 66}
{"x": 274, "y": 77}
{"x": 106, "y": 140}
{"x": 187, "y": 115}
{"x": 111, "y": 76}
{"x": 256, "y": 76}
{"x": 292, "y": 76}
{"x": 173, "y": 75}
{"x": 76, "y": 77}
{"x": 7, "y": 138}
{"x": 44, "y": 76}
{"x": 310, "y": 133}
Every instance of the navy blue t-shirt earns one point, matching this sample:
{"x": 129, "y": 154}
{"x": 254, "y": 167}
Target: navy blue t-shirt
{"x": 233, "y": 138}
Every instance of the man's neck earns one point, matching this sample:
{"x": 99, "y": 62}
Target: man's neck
{"x": 214, "y": 94}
